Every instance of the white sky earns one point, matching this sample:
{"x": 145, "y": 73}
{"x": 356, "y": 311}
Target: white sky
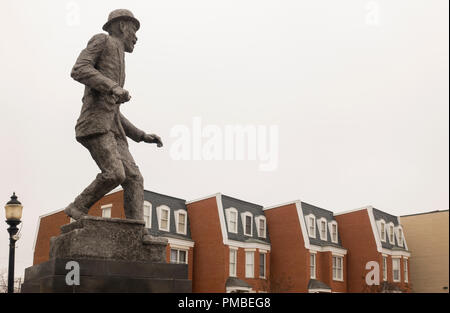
{"x": 362, "y": 108}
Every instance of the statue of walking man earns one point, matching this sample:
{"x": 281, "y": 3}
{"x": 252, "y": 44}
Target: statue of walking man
{"x": 101, "y": 128}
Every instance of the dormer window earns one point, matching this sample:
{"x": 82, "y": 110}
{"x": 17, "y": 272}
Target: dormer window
{"x": 232, "y": 220}
{"x": 383, "y": 231}
{"x": 181, "y": 221}
{"x": 163, "y": 212}
{"x": 261, "y": 222}
{"x": 334, "y": 232}
{"x": 247, "y": 220}
{"x": 400, "y": 237}
{"x": 148, "y": 214}
{"x": 323, "y": 229}
{"x": 312, "y": 226}
{"x": 391, "y": 233}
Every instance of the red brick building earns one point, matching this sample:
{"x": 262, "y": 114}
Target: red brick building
{"x": 307, "y": 253}
{"x": 165, "y": 216}
{"x": 232, "y": 243}
{"x": 373, "y": 235}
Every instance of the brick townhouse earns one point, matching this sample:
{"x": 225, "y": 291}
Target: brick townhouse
{"x": 373, "y": 235}
{"x": 307, "y": 253}
{"x": 164, "y": 216}
{"x": 232, "y": 246}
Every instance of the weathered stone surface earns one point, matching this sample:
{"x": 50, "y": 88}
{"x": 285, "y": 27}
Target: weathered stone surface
{"x": 107, "y": 276}
{"x": 107, "y": 238}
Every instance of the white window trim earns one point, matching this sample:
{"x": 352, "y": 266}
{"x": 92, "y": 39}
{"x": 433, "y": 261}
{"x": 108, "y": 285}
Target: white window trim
{"x": 384, "y": 270}
{"x": 258, "y": 219}
{"x": 177, "y": 219}
{"x": 342, "y": 267}
{"x": 399, "y": 229}
{"x": 313, "y": 253}
{"x": 228, "y": 214}
{"x": 243, "y": 216}
{"x": 252, "y": 274}
{"x": 389, "y": 233}
{"x": 148, "y": 204}
{"x": 382, "y": 235}
{"x": 235, "y": 261}
{"x": 330, "y": 225}
{"x": 308, "y": 222}
{"x": 398, "y": 259}
{"x": 158, "y": 212}
{"x": 178, "y": 249}
{"x": 106, "y": 207}
{"x": 319, "y": 224}
{"x": 265, "y": 264}
{"x": 405, "y": 270}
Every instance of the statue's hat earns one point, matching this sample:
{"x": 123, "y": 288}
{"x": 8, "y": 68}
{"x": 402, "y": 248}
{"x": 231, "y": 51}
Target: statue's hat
{"x": 120, "y": 14}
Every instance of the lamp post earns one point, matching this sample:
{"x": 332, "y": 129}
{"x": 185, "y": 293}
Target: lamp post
{"x": 13, "y": 213}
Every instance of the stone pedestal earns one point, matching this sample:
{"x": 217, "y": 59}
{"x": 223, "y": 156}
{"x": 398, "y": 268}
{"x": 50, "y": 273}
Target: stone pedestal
{"x": 114, "y": 255}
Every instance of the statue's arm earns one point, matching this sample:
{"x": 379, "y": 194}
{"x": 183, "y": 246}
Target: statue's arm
{"x": 84, "y": 70}
{"x": 130, "y": 130}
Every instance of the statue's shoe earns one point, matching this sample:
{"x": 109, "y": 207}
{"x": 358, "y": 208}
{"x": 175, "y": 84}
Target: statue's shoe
{"x": 74, "y": 212}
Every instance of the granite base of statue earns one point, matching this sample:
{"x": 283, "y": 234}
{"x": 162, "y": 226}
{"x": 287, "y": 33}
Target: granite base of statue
{"x": 95, "y": 254}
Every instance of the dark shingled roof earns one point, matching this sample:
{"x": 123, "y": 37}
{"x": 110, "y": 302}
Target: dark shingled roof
{"x": 157, "y": 199}
{"x": 317, "y": 284}
{"x": 319, "y": 213}
{"x": 388, "y": 218}
{"x": 244, "y": 206}
{"x": 236, "y": 282}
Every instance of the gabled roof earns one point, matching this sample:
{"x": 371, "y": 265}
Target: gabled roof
{"x": 320, "y": 213}
{"x": 243, "y": 206}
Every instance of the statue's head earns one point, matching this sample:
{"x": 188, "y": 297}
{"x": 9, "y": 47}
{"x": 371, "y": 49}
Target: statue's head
{"x": 123, "y": 25}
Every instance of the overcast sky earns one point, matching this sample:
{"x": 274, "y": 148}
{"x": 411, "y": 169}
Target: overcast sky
{"x": 357, "y": 89}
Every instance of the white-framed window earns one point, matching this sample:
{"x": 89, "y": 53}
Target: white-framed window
{"x": 181, "y": 221}
{"x": 405, "y": 269}
{"x": 163, "y": 212}
{"x": 178, "y": 256}
{"x": 148, "y": 214}
{"x": 249, "y": 264}
{"x": 312, "y": 265}
{"x": 391, "y": 233}
{"x": 106, "y": 210}
{"x": 323, "y": 228}
{"x": 382, "y": 224}
{"x": 311, "y": 225}
{"x": 232, "y": 220}
{"x": 396, "y": 269}
{"x": 233, "y": 262}
{"x": 384, "y": 268}
{"x": 400, "y": 236}
{"x": 334, "y": 232}
{"x": 261, "y": 223}
{"x": 262, "y": 265}
{"x": 338, "y": 271}
{"x": 247, "y": 221}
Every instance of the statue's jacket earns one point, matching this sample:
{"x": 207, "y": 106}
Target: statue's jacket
{"x": 101, "y": 67}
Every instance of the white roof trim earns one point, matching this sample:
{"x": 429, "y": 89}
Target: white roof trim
{"x": 303, "y": 228}
{"x": 39, "y": 225}
{"x": 203, "y": 198}
{"x": 280, "y": 205}
{"x": 376, "y": 233}
{"x": 334, "y": 250}
{"x": 354, "y": 210}
{"x": 173, "y": 242}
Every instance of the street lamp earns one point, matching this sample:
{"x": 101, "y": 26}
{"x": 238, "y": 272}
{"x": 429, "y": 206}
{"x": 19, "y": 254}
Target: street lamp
{"x": 13, "y": 213}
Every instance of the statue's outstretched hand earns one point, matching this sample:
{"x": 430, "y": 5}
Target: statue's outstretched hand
{"x": 152, "y": 138}
{"x": 120, "y": 95}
